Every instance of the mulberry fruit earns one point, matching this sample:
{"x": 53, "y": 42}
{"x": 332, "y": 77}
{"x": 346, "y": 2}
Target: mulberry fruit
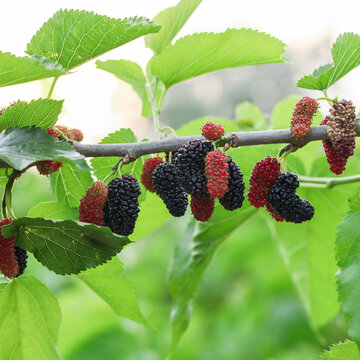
{"x": 189, "y": 163}
{"x": 202, "y": 209}
{"x": 121, "y": 208}
{"x": 234, "y": 195}
{"x": 337, "y": 159}
{"x": 286, "y": 203}
{"x": 304, "y": 111}
{"x": 169, "y": 190}
{"x": 147, "y": 173}
{"x": 212, "y": 131}
{"x": 341, "y": 125}
{"x": 47, "y": 167}
{"x": 13, "y": 259}
{"x": 264, "y": 175}
{"x": 72, "y": 134}
{"x": 216, "y": 166}
{"x": 91, "y": 205}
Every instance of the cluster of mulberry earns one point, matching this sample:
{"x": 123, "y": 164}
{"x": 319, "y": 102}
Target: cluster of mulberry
{"x": 341, "y": 131}
{"x": 276, "y": 192}
{"x": 304, "y": 111}
{"x": 13, "y": 259}
{"x": 196, "y": 169}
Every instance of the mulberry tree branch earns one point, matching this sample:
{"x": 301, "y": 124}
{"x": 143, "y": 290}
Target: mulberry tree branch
{"x": 235, "y": 139}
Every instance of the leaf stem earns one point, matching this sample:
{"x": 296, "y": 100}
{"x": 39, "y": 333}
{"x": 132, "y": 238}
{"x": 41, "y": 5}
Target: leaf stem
{"x": 327, "y": 182}
{"x": 114, "y": 170}
{"x": 52, "y": 87}
{"x": 173, "y": 132}
{"x": 155, "y": 112}
{"x": 6, "y": 205}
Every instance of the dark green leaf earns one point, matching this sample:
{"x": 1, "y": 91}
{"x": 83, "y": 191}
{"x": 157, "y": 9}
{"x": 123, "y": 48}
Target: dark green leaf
{"x": 202, "y": 53}
{"x": 110, "y": 283}
{"x": 342, "y": 351}
{"x": 21, "y": 147}
{"x": 65, "y": 247}
{"x": 53, "y": 210}
{"x": 346, "y": 56}
{"x": 29, "y": 321}
{"x": 69, "y": 184}
{"x": 191, "y": 257}
{"x": 73, "y": 37}
{"x": 41, "y": 113}
{"x": 18, "y": 70}
{"x": 171, "y": 20}
{"x": 133, "y": 74}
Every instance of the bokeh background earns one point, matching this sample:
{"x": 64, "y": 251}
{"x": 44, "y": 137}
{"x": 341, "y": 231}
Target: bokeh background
{"x": 247, "y": 306}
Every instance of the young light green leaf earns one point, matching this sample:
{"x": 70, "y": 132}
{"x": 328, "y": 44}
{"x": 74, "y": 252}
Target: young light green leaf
{"x": 41, "y": 113}
{"x": 133, "y": 74}
{"x": 21, "y": 147}
{"x": 346, "y": 56}
{"x": 249, "y": 116}
{"x": 29, "y": 321}
{"x": 341, "y": 351}
{"x": 18, "y": 70}
{"x": 65, "y": 246}
{"x": 69, "y": 184}
{"x": 110, "y": 283}
{"x": 171, "y": 20}
{"x": 191, "y": 257}
{"x": 202, "y": 53}
{"x": 348, "y": 256}
{"x": 73, "y": 37}
{"x": 53, "y": 210}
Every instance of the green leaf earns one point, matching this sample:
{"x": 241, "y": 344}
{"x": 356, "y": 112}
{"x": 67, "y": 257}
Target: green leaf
{"x": 73, "y": 37}
{"x": 3, "y": 176}
{"x": 348, "y": 258}
{"x": 53, "y": 210}
{"x": 29, "y": 321}
{"x": 171, "y": 20}
{"x": 18, "y": 70}
{"x": 41, "y": 113}
{"x": 133, "y": 74}
{"x": 21, "y": 147}
{"x": 65, "y": 247}
{"x": 110, "y": 283}
{"x": 102, "y": 166}
{"x": 191, "y": 257}
{"x": 342, "y": 351}
{"x": 346, "y": 56}
{"x": 202, "y": 53}
{"x": 69, "y": 184}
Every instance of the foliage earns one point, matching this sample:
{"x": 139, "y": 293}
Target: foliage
{"x": 252, "y": 271}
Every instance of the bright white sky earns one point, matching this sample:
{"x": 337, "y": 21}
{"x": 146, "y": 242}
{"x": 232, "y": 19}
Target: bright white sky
{"x": 93, "y": 97}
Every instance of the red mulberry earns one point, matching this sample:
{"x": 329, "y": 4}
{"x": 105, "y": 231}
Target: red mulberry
{"x": 91, "y": 205}
{"x": 13, "y": 259}
{"x": 202, "y": 209}
{"x": 121, "y": 208}
{"x": 189, "y": 163}
{"x": 304, "y": 111}
{"x": 216, "y": 169}
{"x": 212, "y": 131}
{"x": 148, "y": 169}
{"x": 47, "y": 167}
{"x": 72, "y": 134}
{"x": 169, "y": 190}
{"x": 264, "y": 175}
